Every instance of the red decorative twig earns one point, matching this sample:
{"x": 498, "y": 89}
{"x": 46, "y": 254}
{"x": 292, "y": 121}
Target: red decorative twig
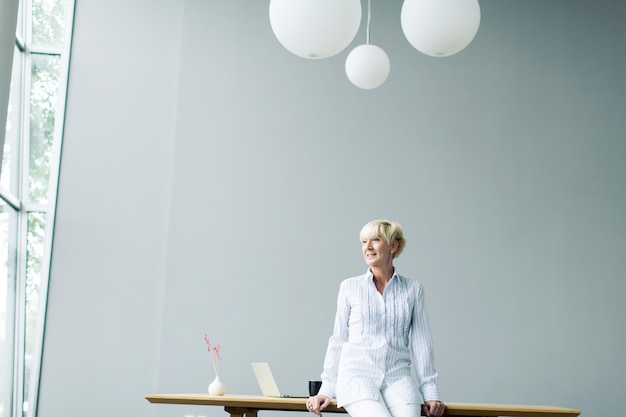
{"x": 214, "y": 354}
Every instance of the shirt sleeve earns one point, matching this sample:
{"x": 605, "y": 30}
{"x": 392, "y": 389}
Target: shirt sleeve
{"x": 423, "y": 351}
{"x": 335, "y": 343}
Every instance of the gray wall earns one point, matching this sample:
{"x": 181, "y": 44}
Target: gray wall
{"x": 8, "y": 23}
{"x": 212, "y": 182}
{"x": 101, "y": 350}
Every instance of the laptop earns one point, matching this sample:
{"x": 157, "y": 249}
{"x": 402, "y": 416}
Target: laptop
{"x": 267, "y": 383}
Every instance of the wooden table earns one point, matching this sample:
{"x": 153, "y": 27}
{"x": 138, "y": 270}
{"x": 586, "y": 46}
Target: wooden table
{"x": 250, "y": 405}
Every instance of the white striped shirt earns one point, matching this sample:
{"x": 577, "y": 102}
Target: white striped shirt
{"x": 375, "y": 338}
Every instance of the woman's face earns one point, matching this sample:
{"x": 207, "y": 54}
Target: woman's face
{"x": 377, "y": 252}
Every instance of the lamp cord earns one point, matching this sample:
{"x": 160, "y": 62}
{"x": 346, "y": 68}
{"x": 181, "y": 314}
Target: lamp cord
{"x": 369, "y": 14}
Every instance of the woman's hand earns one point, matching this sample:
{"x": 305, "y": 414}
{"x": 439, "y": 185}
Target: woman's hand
{"x": 317, "y": 403}
{"x": 434, "y": 408}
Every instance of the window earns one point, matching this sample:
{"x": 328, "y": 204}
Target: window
{"x": 28, "y": 186}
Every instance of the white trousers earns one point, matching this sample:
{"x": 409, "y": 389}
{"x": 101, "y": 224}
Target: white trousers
{"x": 389, "y": 404}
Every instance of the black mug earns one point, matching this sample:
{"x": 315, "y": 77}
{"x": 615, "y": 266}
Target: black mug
{"x": 314, "y": 387}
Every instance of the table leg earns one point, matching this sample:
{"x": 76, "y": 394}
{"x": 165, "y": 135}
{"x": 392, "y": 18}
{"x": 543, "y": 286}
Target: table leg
{"x": 241, "y": 412}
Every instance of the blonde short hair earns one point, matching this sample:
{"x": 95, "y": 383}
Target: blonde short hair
{"x": 388, "y": 230}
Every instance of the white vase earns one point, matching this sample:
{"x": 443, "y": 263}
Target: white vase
{"x": 217, "y": 387}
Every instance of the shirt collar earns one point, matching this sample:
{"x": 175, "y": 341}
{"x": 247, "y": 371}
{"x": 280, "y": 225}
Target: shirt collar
{"x": 370, "y": 276}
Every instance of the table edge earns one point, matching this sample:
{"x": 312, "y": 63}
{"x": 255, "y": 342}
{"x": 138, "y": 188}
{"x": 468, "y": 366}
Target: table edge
{"x": 295, "y": 404}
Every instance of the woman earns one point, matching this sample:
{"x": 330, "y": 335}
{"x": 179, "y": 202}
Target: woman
{"x": 381, "y": 326}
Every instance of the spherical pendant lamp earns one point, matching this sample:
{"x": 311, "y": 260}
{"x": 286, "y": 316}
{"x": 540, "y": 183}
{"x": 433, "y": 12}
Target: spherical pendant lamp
{"x": 367, "y": 66}
{"x": 315, "y": 29}
{"x": 440, "y": 27}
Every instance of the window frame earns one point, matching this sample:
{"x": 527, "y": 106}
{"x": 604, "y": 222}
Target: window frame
{"x": 18, "y": 199}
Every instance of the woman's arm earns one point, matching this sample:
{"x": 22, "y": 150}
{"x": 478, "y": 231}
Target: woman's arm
{"x": 422, "y": 347}
{"x": 335, "y": 343}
